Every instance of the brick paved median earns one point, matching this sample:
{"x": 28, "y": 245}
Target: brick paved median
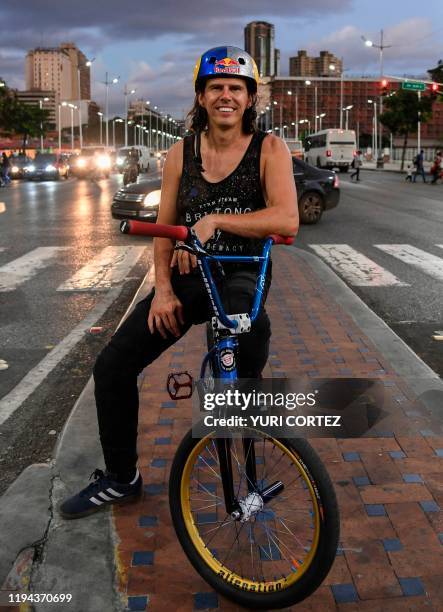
{"x": 389, "y": 487}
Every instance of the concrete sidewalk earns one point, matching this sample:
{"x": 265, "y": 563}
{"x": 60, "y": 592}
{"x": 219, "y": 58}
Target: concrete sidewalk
{"x": 389, "y": 487}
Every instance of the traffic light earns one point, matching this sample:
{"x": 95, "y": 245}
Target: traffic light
{"x": 384, "y": 87}
{"x": 434, "y": 87}
{"x": 434, "y": 91}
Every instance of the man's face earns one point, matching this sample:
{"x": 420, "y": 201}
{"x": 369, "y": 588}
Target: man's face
{"x": 225, "y": 100}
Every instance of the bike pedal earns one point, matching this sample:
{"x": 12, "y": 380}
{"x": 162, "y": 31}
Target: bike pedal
{"x": 177, "y": 381}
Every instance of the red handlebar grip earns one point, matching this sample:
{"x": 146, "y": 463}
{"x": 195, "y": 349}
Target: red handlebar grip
{"x": 159, "y": 230}
{"x": 282, "y": 239}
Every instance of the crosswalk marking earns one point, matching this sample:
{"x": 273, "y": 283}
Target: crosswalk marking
{"x": 107, "y": 269}
{"x": 428, "y": 263}
{"x": 13, "y": 274}
{"x": 355, "y": 267}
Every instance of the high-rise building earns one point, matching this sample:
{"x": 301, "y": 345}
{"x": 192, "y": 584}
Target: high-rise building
{"x": 60, "y": 69}
{"x": 259, "y": 42}
{"x": 305, "y": 66}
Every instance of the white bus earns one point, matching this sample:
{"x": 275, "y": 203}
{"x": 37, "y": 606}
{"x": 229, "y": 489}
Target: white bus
{"x": 332, "y": 148}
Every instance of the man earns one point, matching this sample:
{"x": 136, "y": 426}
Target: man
{"x": 419, "y": 167}
{"x": 234, "y": 186}
{"x": 357, "y": 163}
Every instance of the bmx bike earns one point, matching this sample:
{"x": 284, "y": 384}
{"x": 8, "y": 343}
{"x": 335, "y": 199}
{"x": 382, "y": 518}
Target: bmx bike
{"x": 256, "y": 515}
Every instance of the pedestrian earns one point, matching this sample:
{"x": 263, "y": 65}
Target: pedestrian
{"x": 5, "y": 169}
{"x": 419, "y": 167}
{"x": 436, "y": 168}
{"x": 357, "y": 162}
{"x": 198, "y": 188}
{"x": 408, "y": 177}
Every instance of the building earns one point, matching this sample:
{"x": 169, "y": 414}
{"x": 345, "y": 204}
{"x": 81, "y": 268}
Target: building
{"x": 63, "y": 71}
{"x": 259, "y": 42}
{"x": 305, "y": 66}
{"x": 46, "y": 99}
{"x": 278, "y": 108}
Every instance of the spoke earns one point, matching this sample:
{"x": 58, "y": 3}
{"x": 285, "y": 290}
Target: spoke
{"x": 210, "y": 467}
{"x": 238, "y": 532}
{"x": 205, "y": 507}
{"x": 292, "y": 534}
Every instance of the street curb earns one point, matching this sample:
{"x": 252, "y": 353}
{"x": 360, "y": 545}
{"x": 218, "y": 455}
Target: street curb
{"x": 76, "y": 557}
{"x": 421, "y": 379}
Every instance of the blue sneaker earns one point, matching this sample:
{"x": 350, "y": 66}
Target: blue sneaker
{"x": 101, "y": 493}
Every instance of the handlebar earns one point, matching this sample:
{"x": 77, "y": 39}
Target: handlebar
{"x": 177, "y": 232}
{"x": 186, "y": 234}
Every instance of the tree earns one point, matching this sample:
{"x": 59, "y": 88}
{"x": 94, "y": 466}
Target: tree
{"x": 402, "y": 112}
{"x": 21, "y": 119}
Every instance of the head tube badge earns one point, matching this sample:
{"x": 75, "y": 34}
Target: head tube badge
{"x": 227, "y": 360}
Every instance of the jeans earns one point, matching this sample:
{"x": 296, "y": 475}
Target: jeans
{"x": 133, "y": 347}
{"x": 421, "y": 172}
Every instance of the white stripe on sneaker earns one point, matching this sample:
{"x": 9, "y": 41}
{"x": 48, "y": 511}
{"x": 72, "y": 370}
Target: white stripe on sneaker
{"x": 95, "y": 501}
{"x": 112, "y": 492}
{"x": 105, "y": 497}
{"x": 137, "y": 474}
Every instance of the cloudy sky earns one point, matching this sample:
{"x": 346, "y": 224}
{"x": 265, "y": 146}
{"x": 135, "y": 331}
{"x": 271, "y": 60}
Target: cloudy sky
{"x": 153, "y": 46}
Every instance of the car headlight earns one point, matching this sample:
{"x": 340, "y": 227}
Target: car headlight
{"x": 14, "y": 169}
{"x": 81, "y": 163}
{"x": 30, "y": 168}
{"x": 50, "y": 168}
{"x": 104, "y": 161}
{"x": 152, "y": 200}
{"x": 120, "y": 161}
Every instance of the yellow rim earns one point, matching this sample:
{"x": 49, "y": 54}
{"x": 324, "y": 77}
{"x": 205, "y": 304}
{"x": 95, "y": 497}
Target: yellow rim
{"x": 215, "y": 565}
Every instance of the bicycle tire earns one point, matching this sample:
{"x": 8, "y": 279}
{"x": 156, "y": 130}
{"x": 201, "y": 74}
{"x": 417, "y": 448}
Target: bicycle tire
{"x": 326, "y": 547}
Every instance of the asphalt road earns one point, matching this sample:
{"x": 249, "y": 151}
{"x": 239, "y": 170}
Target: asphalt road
{"x": 50, "y": 297}
{"x": 373, "y": 217}
{"x": 65, "y": 268}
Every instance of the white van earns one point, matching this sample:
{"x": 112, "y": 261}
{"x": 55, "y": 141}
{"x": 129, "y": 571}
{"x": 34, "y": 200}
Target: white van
{"x": 332, "y": 148}
{"x": 143, "y": 157}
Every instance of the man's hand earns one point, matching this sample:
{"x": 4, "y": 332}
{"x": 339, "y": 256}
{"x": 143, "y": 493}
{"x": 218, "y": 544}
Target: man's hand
{"x": 205, "y": 228}
{"x": 184, "y": 260}
{"x": 165, "y": 314}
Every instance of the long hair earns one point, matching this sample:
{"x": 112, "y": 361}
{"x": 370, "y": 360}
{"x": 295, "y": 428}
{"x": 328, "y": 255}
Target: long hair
{"x": 197, "y": 118}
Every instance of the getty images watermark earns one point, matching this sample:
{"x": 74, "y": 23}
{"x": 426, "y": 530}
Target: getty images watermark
{"x": 289, "y": 408}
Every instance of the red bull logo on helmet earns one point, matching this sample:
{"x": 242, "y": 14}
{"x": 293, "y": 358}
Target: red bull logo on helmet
{"x": 227, "y": 65}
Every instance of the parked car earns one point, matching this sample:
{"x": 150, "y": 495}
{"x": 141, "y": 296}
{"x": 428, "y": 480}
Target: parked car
{"x": 47, "y": 166}
{"x": 17, "y": 166}
{"x": 317, "y": 190}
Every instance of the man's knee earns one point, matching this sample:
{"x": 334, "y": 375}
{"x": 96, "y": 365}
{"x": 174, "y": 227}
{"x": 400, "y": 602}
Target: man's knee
{"x": 110, "y": 365}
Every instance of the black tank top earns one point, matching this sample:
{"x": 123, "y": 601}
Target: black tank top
{"x": 238, "y": 193}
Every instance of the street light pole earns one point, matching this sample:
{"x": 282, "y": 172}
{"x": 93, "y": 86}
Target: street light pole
{"x": 59, "y": 129}
{"x": 72, "y": 106}
{"x": 126, "y": 94}
{"x": 107, "y": 83}
{"x": 40, "y": 103}
{"x": 79, "y": 66}
{"x": 101, "y": 128}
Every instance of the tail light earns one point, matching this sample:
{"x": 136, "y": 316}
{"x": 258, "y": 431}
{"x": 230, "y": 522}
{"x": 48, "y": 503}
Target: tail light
{"x": 328, "y": 153}
{"x": 336, "y": 181}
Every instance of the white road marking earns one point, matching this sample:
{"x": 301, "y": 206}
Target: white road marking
{"x": 23, "y": 268}
{"x": 426, "y": 262}
{"x": 355, "y": 267}
{"x": 2, "y": 207}
{"x": 108, "y": 268}
{"x": 15, "y": 398}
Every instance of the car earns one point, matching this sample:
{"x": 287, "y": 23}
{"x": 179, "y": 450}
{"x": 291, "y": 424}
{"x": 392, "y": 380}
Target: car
{"x": 46, "y": 166}
{"x": 95, "y": 160}
{"x": 17, "y": 166}
{"x": 317, "y": 190}
{"x": 137, "y": 201}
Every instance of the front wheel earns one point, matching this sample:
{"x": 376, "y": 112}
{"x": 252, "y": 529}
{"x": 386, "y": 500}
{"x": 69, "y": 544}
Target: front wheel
{"x": 310, "y": 207}
{"x": 282, "y": 547}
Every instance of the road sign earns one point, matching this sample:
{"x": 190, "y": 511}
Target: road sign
{"x": 413, "y": 86}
